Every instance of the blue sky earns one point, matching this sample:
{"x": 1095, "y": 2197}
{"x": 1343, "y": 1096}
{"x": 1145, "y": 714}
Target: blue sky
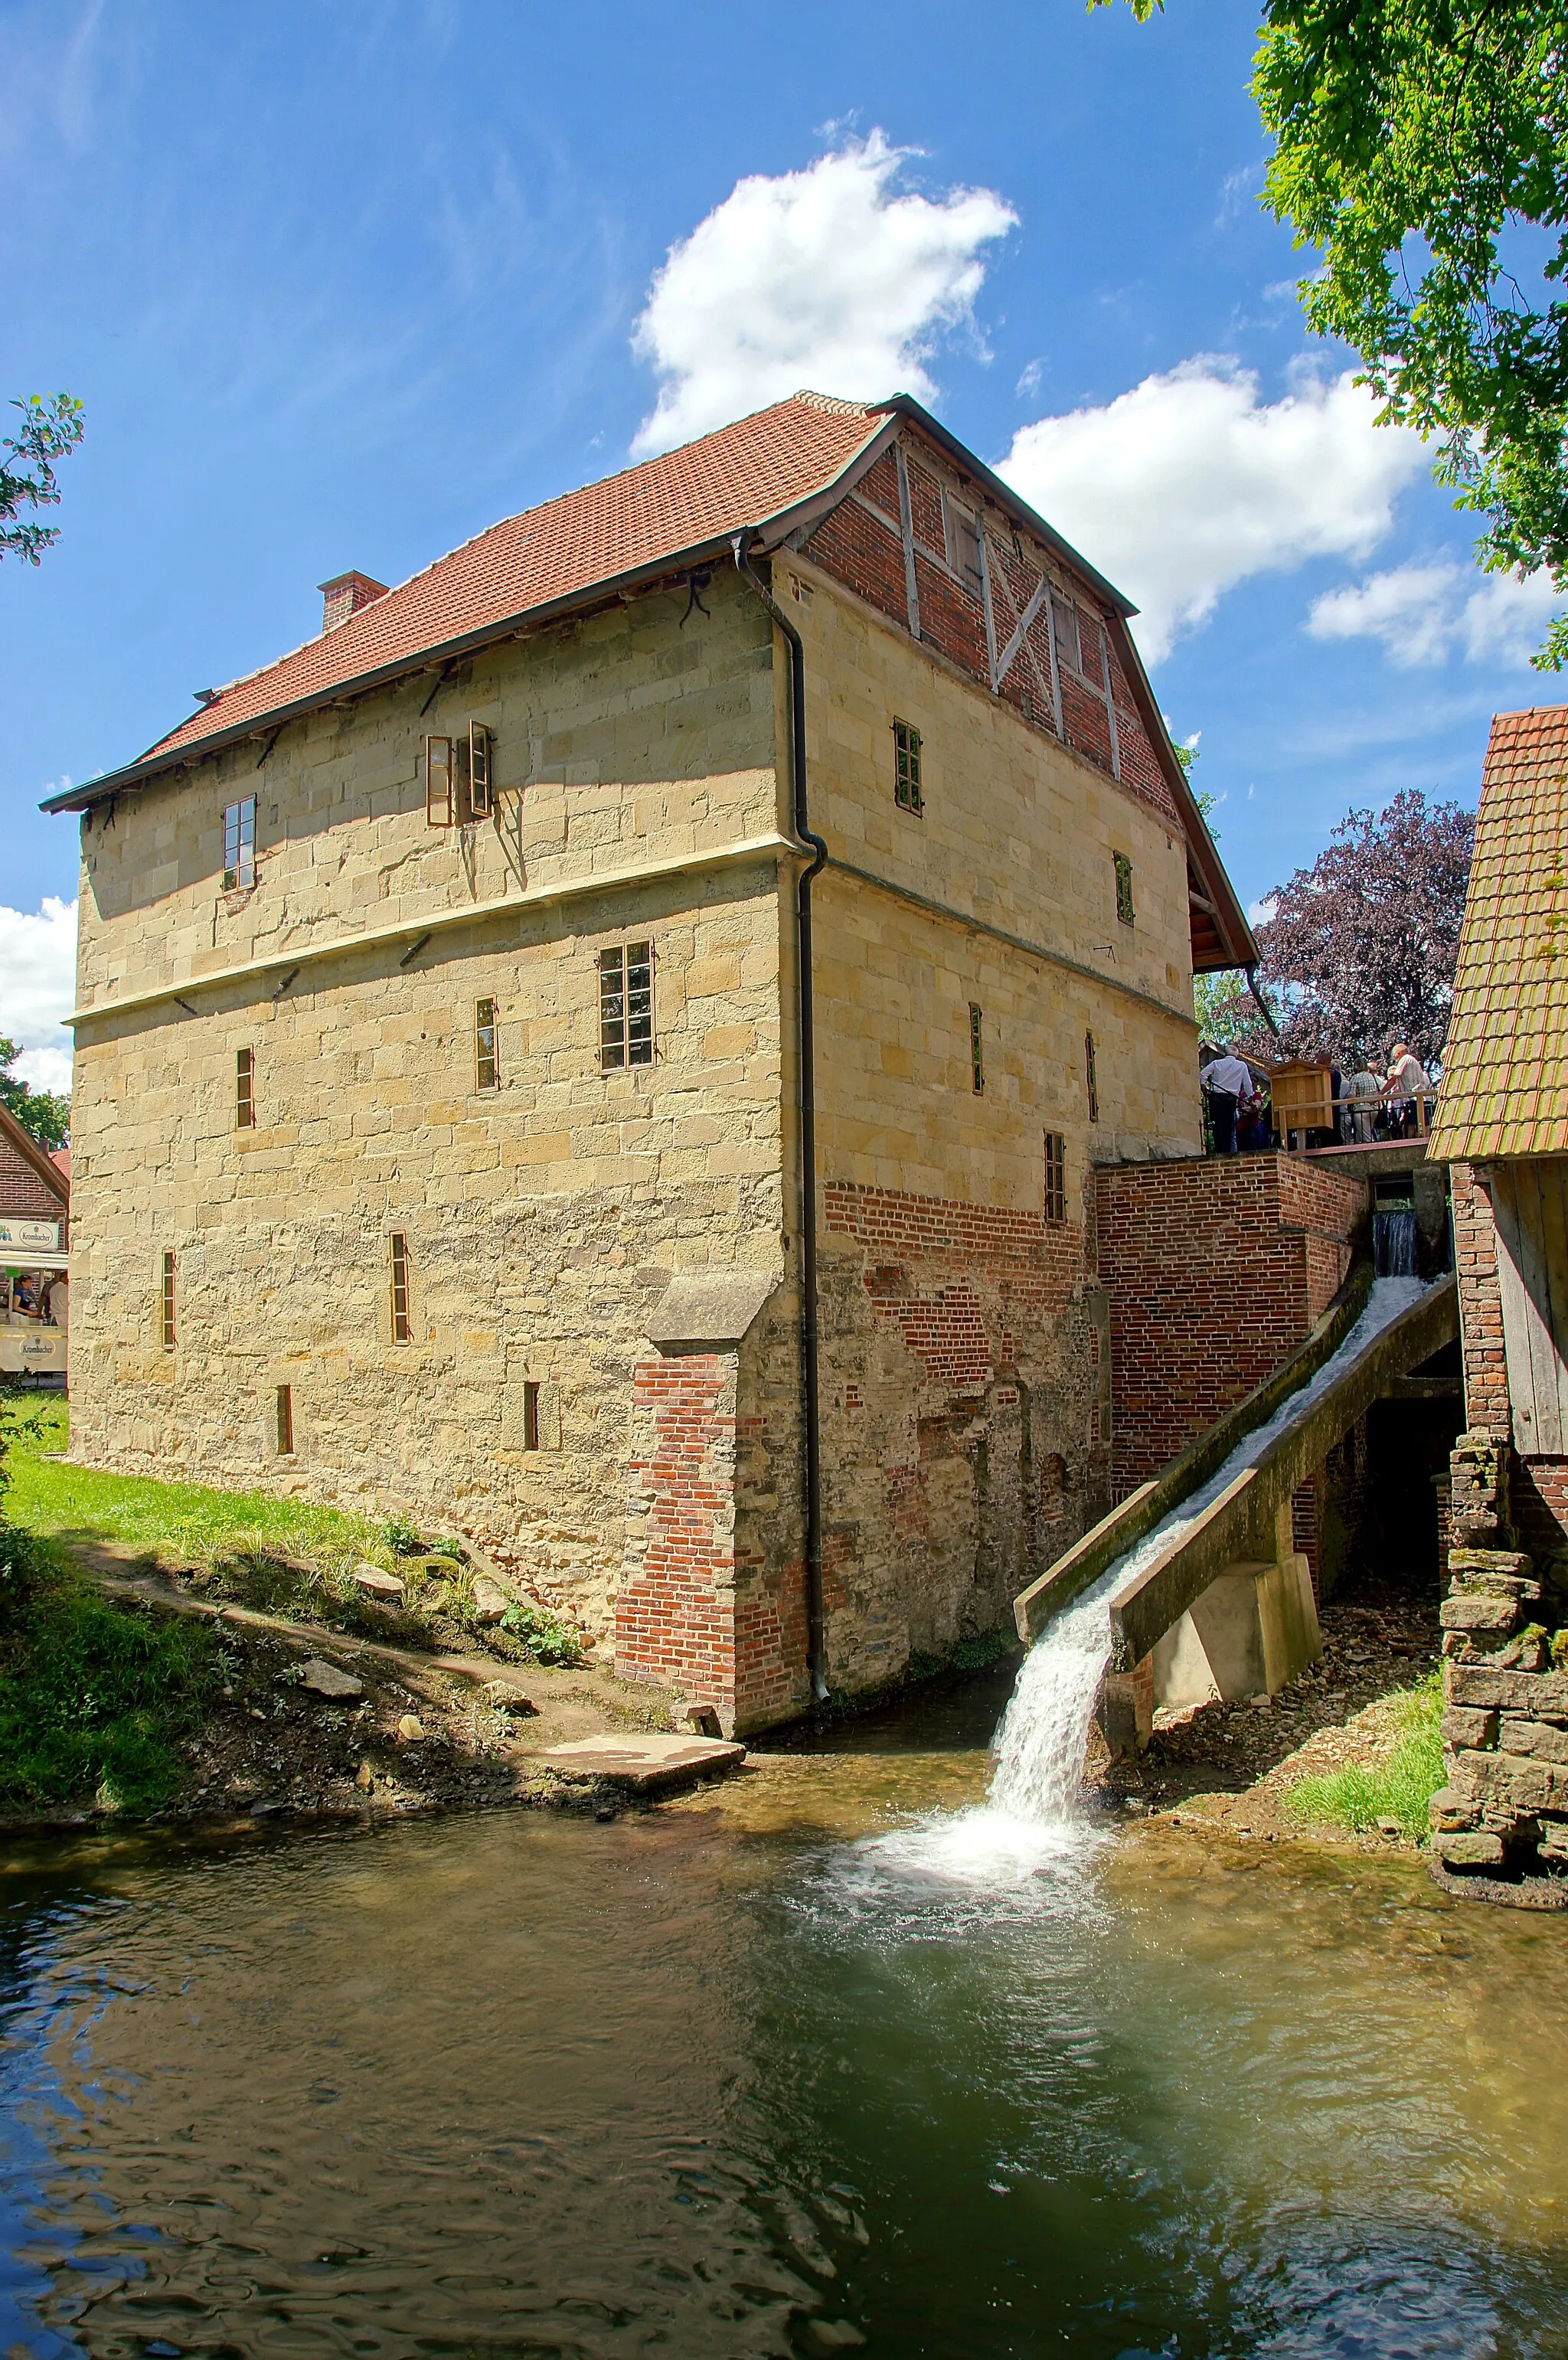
{"x": 342, "y": 284}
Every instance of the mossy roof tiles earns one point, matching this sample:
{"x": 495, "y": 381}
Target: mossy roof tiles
{"x": 1505, "y": 1078}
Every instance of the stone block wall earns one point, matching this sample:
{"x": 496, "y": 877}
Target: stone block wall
{"x": 1504, "y": 1811}
{"x": 965, "y": 1402}
{"x": 1214, "y": 1270}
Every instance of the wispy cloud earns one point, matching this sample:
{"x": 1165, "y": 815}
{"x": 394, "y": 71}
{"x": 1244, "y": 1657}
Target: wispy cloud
{"x": 1425, "y": 612}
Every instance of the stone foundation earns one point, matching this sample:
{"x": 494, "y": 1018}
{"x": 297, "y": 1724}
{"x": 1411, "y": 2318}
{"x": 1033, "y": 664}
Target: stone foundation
{"x": 1504, "y": 1811}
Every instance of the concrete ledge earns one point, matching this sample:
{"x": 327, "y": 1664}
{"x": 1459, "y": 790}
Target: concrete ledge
{"x": 648, "y": 1764}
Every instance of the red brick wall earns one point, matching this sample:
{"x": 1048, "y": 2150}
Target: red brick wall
{"x": 1215, "y": 1269}
{"x": 675, "y": 1609}
{"x": 23, "y": 1190}
{"x": 861, "y": 544}
{"x": 1480, "y": 1306}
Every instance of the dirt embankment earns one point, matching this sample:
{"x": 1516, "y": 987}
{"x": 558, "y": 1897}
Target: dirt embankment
{"x": 308, "y": 1721}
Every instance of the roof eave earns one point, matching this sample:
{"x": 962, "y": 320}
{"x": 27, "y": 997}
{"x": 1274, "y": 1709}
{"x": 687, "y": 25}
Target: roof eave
{"x": 906, "y": 406}
{"x": 772, "y": 529}
{"x": 38, "y": 1158}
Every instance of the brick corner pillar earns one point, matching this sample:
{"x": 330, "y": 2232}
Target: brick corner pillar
{"x": 675, "y": 1609}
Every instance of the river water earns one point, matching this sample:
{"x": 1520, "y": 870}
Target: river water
{"x": 761, "y": 2075}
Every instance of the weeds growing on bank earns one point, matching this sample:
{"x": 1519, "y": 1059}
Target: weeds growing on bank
{"x": 276, "y": 1555}
{"x": 94, "y": 1698}
{"x": 1399, "y": 1788}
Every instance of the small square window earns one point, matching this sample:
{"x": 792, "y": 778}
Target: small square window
{"x": 625, "y": 1006}
{"x": 1055, "y": 1176}
{"x": 401, "y": 1331}
{"x": 1094, "y": 1087}
{"x": 168, "y": 1302}
{"x": 907, "y": 767}
{"x": 976, "y": 1048}
{"x": 1124, "y": 887}
{"x": 245, "y": 1090}
{"x": 485, "y": 1072}
{"x": 239, "y": 847}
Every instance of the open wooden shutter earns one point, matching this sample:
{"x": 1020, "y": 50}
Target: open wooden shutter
{"x": 1529, "y": 1203}
{"x": 481, "y": 800}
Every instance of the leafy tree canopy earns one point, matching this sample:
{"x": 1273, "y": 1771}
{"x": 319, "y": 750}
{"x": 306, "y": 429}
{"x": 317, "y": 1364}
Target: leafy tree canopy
{"x": 47, "y": 1117}
{"x": 1361, "y": 948}
{"x": 1421, "y": 145}
{"x": 51, "y": 429}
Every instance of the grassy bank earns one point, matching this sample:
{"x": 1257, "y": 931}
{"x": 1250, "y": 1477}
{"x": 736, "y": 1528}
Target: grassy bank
{"x": 96, "y": 1699}
{"x": 1398, "y": 1788}
{"x": 277, "y": 1555}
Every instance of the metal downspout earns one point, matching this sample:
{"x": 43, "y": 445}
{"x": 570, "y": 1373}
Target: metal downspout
{"x": 816, "y": 1633}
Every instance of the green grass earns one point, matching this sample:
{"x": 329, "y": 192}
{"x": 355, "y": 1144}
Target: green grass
{"x": 276, "y": 1555}
{"x": 1400, "y": 1788}
{"x": 95, "y": 1697}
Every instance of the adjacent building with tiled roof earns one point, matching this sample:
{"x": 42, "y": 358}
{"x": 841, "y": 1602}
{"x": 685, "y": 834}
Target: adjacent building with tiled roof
{"x": 1502, "y": 1121}
{"x": 607, "y": 1044}
{"x": 1505, "y": 1068}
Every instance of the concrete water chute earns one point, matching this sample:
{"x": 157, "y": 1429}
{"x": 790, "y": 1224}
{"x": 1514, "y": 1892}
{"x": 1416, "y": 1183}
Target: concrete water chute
{"x": 1223, "y": 1601}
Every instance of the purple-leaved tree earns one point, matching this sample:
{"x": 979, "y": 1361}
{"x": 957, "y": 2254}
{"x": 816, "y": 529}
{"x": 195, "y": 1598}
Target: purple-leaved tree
{"x": 1361, "y": 948}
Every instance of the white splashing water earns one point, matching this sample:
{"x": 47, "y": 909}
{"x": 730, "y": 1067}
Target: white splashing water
{"x": 1035, "y": 1816}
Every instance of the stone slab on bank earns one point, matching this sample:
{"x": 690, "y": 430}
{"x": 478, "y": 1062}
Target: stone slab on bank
{"x": 650, "y": 1762}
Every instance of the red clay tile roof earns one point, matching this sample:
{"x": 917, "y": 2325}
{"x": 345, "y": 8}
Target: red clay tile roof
{"x": 1505, "y": 1076}
{"x": 741, "y": 475}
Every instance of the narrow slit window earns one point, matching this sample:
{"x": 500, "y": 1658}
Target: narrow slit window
{"x": 530, "y": 1415}
{"x": 245, "y": 1090}
{"x": 625, "y": 1006}
{"x": 1124, "y": 887}
{"x": 481, "y": 795}
{"x": 486, "y": 1071}
{"x": 401, "y": 1331}
{"x": 907, "y": 767}
{"x": 167, "y": 1299}
{"x": 239, "y": 847}
{"x": 976, "y": 1048}
{"x": 438, "y": 767}
{"x": 1055, "y": 1176}
{"x": 1093, "y": 1085}
{"x": 285, "y": 1422}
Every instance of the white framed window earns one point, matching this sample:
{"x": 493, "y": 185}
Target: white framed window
{"x": 239, "y": 847}
{"x": 625, "y": 1006}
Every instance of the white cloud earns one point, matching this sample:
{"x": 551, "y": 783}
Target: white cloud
{"x": 1190, "y": 484}
{"x": 825, "y": 277}
{"x": 1422, "y": 612}
{"x": 1259, "y": 913}
{"x": 37, "y": 988}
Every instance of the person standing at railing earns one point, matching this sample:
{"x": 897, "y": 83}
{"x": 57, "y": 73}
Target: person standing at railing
{"x": 1407, "y": 1083}
{"x": 1362, "y": 1093}
{"x": 1227, "y": 1081}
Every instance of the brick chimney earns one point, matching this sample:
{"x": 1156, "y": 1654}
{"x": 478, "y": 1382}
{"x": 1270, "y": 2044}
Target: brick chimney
{"x": 345, "y": 594}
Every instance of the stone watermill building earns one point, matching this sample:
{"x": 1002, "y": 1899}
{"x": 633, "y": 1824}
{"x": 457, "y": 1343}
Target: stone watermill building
{"x": 441, "y": 1118}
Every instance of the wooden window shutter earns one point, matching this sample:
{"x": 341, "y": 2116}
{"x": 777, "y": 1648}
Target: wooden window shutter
{"x": 481, "y": 794}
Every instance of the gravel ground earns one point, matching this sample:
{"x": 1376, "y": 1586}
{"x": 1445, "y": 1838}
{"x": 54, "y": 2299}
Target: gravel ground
{"x": 1236, "y": 1760}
